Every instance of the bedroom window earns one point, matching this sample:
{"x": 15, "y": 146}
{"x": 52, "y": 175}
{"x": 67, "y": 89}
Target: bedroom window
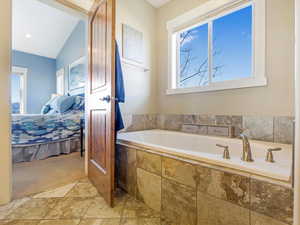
{"x": 18, "y": 90}
{"x": 225, "y": 50}
{"x": 60, "y": 80}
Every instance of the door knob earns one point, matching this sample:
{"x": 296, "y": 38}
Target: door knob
{"x": 108, "y": 98}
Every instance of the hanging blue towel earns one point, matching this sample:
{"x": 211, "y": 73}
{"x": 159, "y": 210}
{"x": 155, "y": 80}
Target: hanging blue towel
{"x": 120, "y": 90}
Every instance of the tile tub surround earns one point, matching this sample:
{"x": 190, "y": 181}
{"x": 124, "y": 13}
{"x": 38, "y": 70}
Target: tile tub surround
{"x": 203, "y": 148}
{"x": 193, "y": 193}
{"x": 263, "y": 128}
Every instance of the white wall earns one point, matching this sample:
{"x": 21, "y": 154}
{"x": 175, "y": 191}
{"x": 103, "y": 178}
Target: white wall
{"x": 5, "y": 156}
{"x": 140, "y": 87}
{"x": 275, "y": 99}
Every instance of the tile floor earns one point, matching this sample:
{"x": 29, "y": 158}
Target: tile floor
{"x": 76, "y": 204}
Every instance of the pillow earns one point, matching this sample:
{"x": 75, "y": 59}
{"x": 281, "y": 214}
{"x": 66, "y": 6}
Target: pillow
{"x": 63, "y": 103}
{"x": 47, "y": 107}
{"x": 79, "y": 103}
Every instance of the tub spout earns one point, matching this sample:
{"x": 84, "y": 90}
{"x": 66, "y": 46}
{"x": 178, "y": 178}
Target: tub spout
{"x": 247, "y": 153}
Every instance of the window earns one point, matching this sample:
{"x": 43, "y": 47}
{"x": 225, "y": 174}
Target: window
{"x": 232, "y": 46}
{"x": 194, "y": 57}
{"x": 224, "y": 51}
{"x": 18, "y": 90}
{"x": 60, "y": 81}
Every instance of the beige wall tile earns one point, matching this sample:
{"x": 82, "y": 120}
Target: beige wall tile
{"x": 178, "y": 203}
{"x": 150, "y": 121}
{"x": 160, "y": 121}
{"x": 223, "y": 185}
{"x": 272, "y": 200}
{"x": 126, "y": 168}
{"x": 137, "y": 123}
{"x": 259, "y": 219}
{"x": 194, "y": 129}
{"x": 235, "y": 121}
{"x": 136, "y": 209}
{"x": 206, "y": 119}
{"x": 189, "y": 128}
{"x": 259, "y": 127}
{"x": 189, "y": 119}
{"x": 173, "y": 122}
{"x": 218, "y": 131}
{"x": 202, "y": 130}
{"x": 149, "y": 162}
{"x": 149, "y": 189}
{"x": 212, "y": 211}
{"x": 223, "y": 120}
{"x": 179, "y": 171}
{"x": 283, "y": 129}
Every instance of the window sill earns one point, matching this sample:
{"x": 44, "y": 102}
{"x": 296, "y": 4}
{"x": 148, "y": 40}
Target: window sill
{"x": 219, "y": 86}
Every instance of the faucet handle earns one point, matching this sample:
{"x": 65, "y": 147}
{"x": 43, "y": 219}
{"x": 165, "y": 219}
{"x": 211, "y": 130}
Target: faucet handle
{"x": 243, "y": 130}
{"x": 226, "y": 154}
{"x": 270, "y": 156}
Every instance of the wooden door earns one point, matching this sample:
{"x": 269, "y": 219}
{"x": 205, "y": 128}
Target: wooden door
{"x": 100, "y": 98}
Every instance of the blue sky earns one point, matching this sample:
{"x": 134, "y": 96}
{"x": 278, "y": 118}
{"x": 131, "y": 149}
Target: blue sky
{"x": 232, "y": 46}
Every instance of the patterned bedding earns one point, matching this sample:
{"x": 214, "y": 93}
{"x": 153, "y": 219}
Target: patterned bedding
{"x": 34, "y": 129}
{"x": 37, "y": 128}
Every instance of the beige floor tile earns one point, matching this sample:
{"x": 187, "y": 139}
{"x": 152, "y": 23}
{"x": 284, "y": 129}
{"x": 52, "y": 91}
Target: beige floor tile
{"x": 69, "y": 208}
{"x": 56, "y": 193}
{"x": 7, "y": 209}
{"x": 83, "y": 190}
{"x": 33, "y": 209}
{"x": 134, "y": 208}
{"x": 100, "y": 222}
{"x": 19, "y": 222}
{"x": 59, "y": 222}
{"x": 84, "y": 180}
{"x": 77, "y": 204}
{"x": 140, "y": 221}
{"x": 99, "y": 209}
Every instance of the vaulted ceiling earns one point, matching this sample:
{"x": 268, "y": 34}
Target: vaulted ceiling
{"x": 39, "y": 28}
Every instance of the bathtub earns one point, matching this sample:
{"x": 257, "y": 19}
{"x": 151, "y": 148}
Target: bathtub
{"x": 203, "y": 149}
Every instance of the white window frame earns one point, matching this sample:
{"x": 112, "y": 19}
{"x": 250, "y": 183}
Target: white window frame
{"x": 205, "y": 13}
{"x": 23, "y": 74}
{"x": 60, "y": 73}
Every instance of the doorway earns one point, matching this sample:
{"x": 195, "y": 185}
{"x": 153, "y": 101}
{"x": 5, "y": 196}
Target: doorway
{"x": 49, "y": 71}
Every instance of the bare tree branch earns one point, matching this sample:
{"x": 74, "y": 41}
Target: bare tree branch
{"x": 185, "y": 36}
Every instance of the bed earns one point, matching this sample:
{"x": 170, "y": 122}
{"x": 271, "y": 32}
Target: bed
{"x": 39, "y": 136}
